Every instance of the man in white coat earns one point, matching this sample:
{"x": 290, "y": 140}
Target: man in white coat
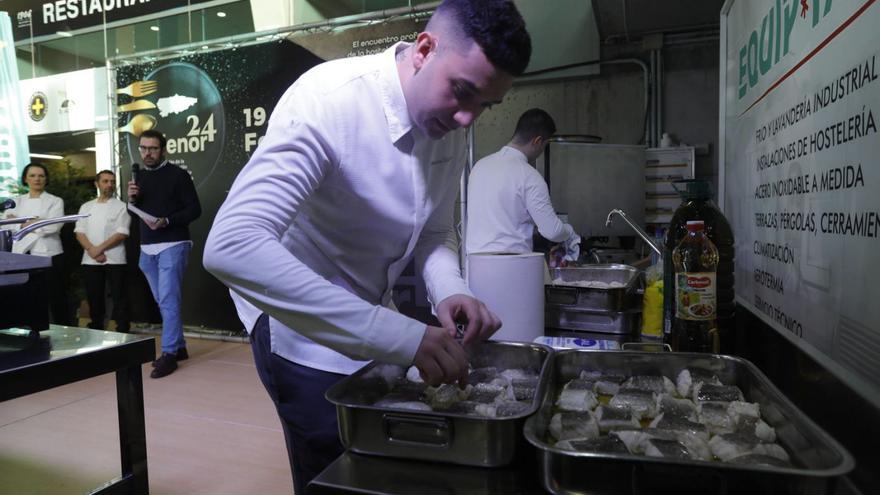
{"x": 102, "y": 236}
{"x": 507, "y": 198}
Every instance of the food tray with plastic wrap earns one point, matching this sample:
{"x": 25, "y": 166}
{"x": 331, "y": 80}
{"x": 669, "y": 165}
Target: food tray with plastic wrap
{"x": 387, "y": 410}
{"x": 641, "y": 422}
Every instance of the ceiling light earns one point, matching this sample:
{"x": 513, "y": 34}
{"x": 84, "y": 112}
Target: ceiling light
{"x": 48, "y": 157}
{"x": 154, "y": 28}
{"x": 221, "y": 14}
{"x": 90, "y": 148}
{"x": 65, "y": 34}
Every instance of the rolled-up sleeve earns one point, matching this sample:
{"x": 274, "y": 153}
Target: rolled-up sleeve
{"x": 80, "y": 226}
{"x": 122, "y": 222}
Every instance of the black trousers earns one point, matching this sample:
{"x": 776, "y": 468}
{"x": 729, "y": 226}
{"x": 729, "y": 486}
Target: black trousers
{"x": 307, "y": 418}
{"x": 97, "y": 277}
{"x": 58, "y": 305}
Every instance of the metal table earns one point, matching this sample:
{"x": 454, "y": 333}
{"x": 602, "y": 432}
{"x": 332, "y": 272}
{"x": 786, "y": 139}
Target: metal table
{"x": 32, "y": 362}
{"x": 360, "y": 474}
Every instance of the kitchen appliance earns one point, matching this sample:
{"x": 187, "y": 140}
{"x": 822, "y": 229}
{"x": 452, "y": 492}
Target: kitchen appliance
{"x": 581, "y": 174}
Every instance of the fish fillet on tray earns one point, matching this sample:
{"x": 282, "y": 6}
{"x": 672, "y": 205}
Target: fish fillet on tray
{"x": 689, "y": 416}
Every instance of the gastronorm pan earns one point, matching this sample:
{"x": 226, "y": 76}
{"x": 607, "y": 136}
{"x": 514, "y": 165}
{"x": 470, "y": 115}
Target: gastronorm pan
{"x": 436, "y": 436}
{"x": 817, "y": 459}
{"x": 616, "y": 322}
{"x": 564, "y": 292}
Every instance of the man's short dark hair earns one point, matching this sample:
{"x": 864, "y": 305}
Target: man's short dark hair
{"x": 534, "y": 122}
{"x": 102, "y": 172}
{"x": 34, "y": 164}
{"x": 496, "y": 26}
{"x": 153, "y": 133}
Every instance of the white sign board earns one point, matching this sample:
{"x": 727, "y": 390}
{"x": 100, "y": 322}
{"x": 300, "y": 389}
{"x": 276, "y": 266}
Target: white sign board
{"x": 800, "y": 110}
{"x": 73, "y": 101}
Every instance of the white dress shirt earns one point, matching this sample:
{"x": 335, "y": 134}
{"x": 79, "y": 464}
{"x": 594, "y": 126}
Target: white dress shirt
{"x": 341, "y": 193}
{"x": 107, "y": 218}
{"x": 506, "y": 199}
{"x": 45, "y": 241}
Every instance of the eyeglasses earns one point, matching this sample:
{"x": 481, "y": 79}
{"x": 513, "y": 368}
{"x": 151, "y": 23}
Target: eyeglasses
{"x": 150, "y": 149}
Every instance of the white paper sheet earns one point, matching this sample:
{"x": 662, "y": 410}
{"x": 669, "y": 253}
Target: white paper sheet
{"x": 141, "y": 213}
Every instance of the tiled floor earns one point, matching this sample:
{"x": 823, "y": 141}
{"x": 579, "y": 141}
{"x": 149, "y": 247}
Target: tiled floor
{"x": 211, "y": 429}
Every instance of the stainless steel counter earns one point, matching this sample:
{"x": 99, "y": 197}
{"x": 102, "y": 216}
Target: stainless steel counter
{"x": 359, "y": 474}
{"x": 35, "y": 361}
{"x": 809, "y": 388}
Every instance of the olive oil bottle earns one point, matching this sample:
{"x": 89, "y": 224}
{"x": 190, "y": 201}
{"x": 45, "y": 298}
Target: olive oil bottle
{"x": 695, "y": 322}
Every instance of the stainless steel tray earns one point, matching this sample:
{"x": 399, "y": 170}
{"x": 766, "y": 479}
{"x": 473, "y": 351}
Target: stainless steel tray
{"x": 817, "y": 458}
{"x": 591, "y": 298}
{"x": 434, "y": 436}
{"x": 572, "y": 318}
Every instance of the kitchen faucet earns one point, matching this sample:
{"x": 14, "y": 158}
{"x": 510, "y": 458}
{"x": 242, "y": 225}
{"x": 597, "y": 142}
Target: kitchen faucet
{"x": 7, "y": 238}
{"x": 639, "y": 230}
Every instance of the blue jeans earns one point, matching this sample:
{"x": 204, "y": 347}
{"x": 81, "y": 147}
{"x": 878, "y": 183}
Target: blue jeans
{"x": 164, "y": 272}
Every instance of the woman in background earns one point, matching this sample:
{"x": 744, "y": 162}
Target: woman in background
{"x": 45, "y": 241}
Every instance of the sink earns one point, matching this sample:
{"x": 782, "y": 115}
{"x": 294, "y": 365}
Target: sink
{"x": 611, "y": 255}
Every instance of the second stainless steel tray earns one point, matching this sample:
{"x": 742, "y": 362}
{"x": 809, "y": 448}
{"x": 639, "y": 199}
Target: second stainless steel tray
{"x": 616, "y": 322}
{"x": 435, "y": 436}
{"x": 817, "y": 458}
{"x": 565, "y": 293}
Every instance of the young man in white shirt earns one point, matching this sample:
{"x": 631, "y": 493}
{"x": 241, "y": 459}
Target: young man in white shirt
{"x": 102, "y": 236}
{"x": 357, "y": 174}
{"x": 508, "y": 198}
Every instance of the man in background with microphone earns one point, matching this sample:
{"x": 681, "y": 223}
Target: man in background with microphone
{"x": 166, "y": 192}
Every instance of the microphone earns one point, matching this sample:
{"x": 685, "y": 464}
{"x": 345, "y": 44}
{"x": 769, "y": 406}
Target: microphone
{"x": 7, "y": 204}
{"x": 135, "y": 171}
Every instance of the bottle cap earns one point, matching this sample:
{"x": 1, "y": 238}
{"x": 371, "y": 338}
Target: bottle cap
{"x": 693, "y": 189}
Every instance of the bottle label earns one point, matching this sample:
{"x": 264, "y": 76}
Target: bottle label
{"x": 695, "y": 297}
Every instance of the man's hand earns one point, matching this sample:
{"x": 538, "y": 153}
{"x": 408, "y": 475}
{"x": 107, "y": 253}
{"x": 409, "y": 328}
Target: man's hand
{"x": 101, "y": 258}
{"x": 94, "y": 252}
{"x": 460, "y": 308}
{"x": 133, "y": 190}
{"x": 441, "y": 359}
{"x": 160, "y": 223}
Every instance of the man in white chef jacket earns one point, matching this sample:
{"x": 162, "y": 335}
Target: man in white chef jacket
{"x": 102, "y": 236}
{"x": 357, "y": 174}
{"x": 507, "y": 198}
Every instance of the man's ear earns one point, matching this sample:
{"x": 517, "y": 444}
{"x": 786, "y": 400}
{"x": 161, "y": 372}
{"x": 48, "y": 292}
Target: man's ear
{"x": 425, "y": 44}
